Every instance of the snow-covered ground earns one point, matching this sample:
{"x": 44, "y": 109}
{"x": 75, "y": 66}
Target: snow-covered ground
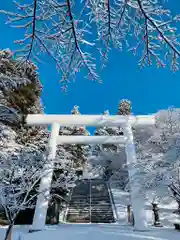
{"x": 93, "y": 231}
{"x": 121, "y": 200}
{"x": 17, "y": 231}
{"x": 166, "y": 206}
{"x": 119, "y": 230}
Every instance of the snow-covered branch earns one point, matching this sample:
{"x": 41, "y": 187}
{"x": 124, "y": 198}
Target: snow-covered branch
{"x": 66, "y": 32}
{"x": 158, "y": 150}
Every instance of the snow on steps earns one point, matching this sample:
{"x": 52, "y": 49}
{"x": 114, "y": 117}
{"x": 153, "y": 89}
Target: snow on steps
{"x": 121, "y": 199}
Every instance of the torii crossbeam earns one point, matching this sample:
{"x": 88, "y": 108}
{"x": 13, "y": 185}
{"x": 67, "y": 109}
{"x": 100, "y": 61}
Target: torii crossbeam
{"x": 125, "y": 122}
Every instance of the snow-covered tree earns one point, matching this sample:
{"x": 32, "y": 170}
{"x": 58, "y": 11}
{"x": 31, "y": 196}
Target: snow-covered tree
{"x": 16, "y": 83}
{"x": 158, "y": 151}
{"x": 68, "y": 31}
{"x": 23, "y": 149}
{"x": 124, "y": 107}
{"x": 110, "y": 159}
{"x": 20, "y": 91}
{"x": 175, "y": 190}
{"x": 79, "y": 153}
{"x": 20, "y": 175}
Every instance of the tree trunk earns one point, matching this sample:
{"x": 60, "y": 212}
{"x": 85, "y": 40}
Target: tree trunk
{"x": 9, "y": 231}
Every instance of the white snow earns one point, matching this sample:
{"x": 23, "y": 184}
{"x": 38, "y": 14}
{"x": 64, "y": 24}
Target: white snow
{"x": 93, "y": 231}
{"x": 17, "y": 231}
{"x": 89, "y": 120}
{"x": 121, "y": 200}
{"x": 166, "y": 206}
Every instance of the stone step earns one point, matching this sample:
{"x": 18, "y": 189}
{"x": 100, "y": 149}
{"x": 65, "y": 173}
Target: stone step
{"x": 105, "y": 211}
{"x": 102, "y": 216}
{"x": 94, "y": 202}
{"x": 108, "y": 210}
{"x": 96, "y": 206}
{"x": 100, "y": 207}
{"x": 100, "y": 198}
{"x": 92, "y": 218}
{"x": 90, "y": 199}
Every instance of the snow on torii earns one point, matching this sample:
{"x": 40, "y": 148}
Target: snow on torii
{"x": 126, "y": 122}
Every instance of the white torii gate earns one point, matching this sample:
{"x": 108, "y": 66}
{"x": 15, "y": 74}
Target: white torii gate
{"x": 126, "y": 122}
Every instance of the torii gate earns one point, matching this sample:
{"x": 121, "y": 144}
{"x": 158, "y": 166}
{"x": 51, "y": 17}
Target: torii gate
{"x": 125, "y": 122}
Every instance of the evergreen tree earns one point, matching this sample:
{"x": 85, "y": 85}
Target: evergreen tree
{"x": 21, "y": 147}
{"x": 124, "y": 107}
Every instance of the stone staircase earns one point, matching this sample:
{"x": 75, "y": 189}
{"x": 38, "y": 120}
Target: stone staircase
{"x": 90, "y": 203}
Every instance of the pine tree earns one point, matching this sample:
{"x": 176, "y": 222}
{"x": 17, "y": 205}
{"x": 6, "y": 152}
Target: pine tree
{"x": 20, "y": 90}
{"x": 124, "y": 107}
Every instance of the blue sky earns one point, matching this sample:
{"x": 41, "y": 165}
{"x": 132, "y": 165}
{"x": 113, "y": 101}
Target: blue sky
{"x": 149, "y": 89}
